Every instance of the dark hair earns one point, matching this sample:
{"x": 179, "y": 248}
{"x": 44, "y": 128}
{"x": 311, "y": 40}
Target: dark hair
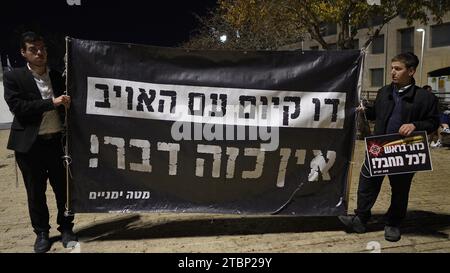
{"x": 408, "y": 58}
{"x": 426, "y": 87}
{"x": 29, "y": 37}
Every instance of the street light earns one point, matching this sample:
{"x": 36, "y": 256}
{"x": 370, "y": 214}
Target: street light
{"x": 421, "y": 53}
{"x": 223, "y": 38}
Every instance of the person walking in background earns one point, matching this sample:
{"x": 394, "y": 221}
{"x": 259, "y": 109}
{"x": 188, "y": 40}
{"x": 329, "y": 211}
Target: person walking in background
{"x": 428, "y": 88}
{"x": 34, "y": 94}
{"x": 443, "y": 130}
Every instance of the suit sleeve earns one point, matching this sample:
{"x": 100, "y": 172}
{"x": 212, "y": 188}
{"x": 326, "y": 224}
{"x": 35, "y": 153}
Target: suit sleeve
{"x": 430, "y": 122}
{"x": 17, "y": 101}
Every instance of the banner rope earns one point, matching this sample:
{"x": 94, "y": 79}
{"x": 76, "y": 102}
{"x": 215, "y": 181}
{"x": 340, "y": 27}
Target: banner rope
{"x": 361, "y": 97}
{"x": 364, "y": 99}
{"x": 67, "y": 159}
{"x": 289, "y": 200}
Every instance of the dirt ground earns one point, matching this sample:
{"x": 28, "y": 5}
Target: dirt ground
{"x": 426, "y": 228}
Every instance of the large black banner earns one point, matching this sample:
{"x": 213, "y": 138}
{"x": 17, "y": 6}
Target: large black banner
{"x": 164, "y": 129}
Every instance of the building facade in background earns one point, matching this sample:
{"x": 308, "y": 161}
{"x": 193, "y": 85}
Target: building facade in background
{"x": 397, "y": 37}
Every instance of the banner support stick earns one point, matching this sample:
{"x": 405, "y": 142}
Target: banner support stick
{"x": 66, "y": 157}
{"x": 352, "y": 162}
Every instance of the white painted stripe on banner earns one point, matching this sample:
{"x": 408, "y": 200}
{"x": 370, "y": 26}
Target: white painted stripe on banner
{"x": 122, "y": 98}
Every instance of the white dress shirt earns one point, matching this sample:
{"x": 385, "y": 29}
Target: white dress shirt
{"x": 51, "y": 122}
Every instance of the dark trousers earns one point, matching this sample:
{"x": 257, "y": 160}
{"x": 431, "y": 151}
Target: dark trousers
{"x": 369, "y": 188}
{"x": 44, "y": 161}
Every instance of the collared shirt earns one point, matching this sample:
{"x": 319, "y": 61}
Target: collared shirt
{"x": 404, "y": 88}
{"x": 51, "y": 122}
{"x": 395, "y": 120}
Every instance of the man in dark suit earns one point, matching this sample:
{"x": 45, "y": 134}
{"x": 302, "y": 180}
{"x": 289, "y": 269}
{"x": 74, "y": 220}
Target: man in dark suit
{"x": 401, "y": 107}
{"x": 34, "y": 95}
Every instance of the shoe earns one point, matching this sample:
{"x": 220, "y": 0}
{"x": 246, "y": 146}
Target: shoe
{"x": 353, "y": 223}
{"x": 436, "y": 145}
{"x": 42, "y": 243}
{"x": 392, "y": 233}
{"x": 68, "y": 238}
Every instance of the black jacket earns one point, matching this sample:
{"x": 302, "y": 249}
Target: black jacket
{"x": 25, "y": 102}
{"x": 419, "y": 107}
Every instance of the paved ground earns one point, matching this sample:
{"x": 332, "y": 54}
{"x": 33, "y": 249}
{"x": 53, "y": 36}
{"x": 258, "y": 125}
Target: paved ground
{"x": 426, "y": 229}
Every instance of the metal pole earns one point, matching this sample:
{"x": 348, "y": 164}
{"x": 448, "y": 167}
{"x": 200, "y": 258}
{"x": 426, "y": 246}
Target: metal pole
{"x": 421, "y": 54}
{"x": 421, "y": 57}
{"x": 386, "y": 53}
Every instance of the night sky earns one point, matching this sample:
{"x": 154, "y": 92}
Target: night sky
{"x": 157, "y": 22}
